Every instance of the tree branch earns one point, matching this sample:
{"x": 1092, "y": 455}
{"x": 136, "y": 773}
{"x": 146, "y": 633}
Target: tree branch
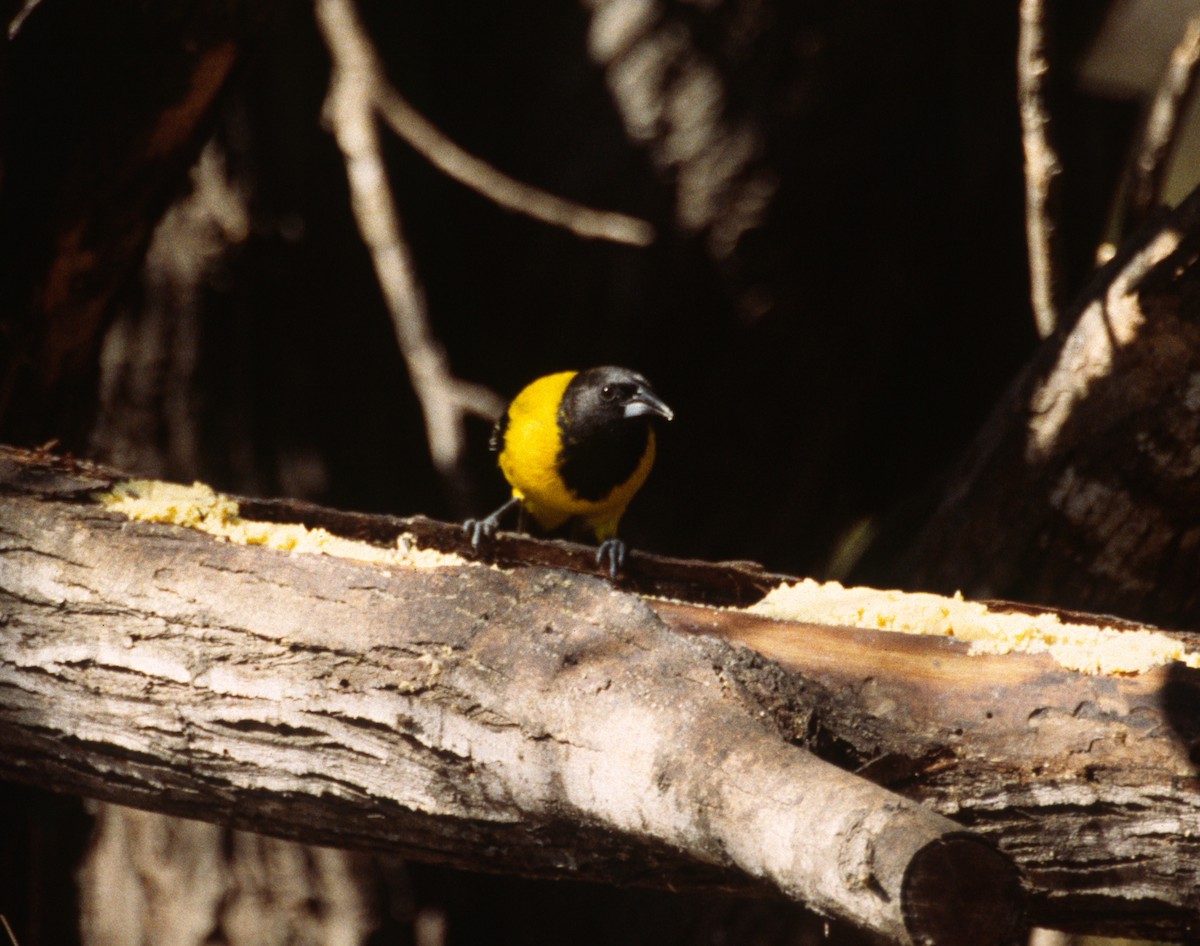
{"x": 1162, "y": 123}
{"x": 350, "y": 43}
{"x": 350, "y": 112}
{"x": 1081, "y": 489}
{"x": 1042, "y": 168}
{"x": 509, "y": 193}
{"x": 532, "y": 721}
{"x": 544, "y": 722}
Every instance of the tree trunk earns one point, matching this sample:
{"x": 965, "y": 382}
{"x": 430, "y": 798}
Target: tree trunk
{"x": 1082, "y": 492}
{"x": 164, "y": 880}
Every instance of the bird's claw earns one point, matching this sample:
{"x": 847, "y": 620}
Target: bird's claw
{"x": 480, "y": 530}
{"x": 614, "y": 551}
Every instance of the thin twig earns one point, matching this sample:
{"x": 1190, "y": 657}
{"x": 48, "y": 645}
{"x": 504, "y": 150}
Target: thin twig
{"x": 509, "y": 193}
{"x": 8, "y": 930}
{"x": 350, "y": 112}
{"x": 1162, "y": 123}
{"x": 18, "y": 20}
{"x": 359, "y": 93}
{"x": 1042, "y": 167}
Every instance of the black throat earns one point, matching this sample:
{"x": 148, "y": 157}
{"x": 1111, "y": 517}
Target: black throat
{"x": 599, "y": 451}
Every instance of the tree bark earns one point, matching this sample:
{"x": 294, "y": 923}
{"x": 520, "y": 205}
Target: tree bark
{"x": 1081, "y": 491}
{"x": 545, "y": 722}
{"x": 1089, "y": 782}
{"x": 531, "y": 721}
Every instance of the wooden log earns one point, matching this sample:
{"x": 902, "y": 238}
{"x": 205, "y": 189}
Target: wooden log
{"x": 1088, "y": 781}
{"x": 532, "y": 721}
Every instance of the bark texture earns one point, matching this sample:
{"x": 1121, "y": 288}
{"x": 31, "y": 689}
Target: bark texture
{"x": 1089, "y": 782}
{"x": 534, "y": 720}
{"x": 1082, "y": 491}
{"x": 162, "y": 880}
{"x": 544, "y": 721}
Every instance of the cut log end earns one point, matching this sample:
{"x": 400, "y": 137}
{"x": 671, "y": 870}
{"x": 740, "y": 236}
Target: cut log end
{"x": 958, "y": 889}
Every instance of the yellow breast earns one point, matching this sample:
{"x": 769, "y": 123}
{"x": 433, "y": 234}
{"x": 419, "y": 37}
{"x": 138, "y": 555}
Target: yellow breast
{"x": 529, "y": 461}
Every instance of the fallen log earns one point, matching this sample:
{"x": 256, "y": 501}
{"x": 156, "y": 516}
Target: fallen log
{"x": 544, "y": 722}
{"x": 533, "y": 721}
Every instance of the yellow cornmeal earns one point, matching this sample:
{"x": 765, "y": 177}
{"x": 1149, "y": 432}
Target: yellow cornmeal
{"x": 1083, "y": 647}
{"x": 200, "y": 507}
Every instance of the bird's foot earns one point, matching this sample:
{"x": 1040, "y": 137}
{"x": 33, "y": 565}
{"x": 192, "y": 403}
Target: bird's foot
{"x": 481, "y": 530}
{"x": 612, "y": 551}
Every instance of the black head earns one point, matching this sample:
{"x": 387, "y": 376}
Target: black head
{"x": 610, "y": 396}
{"x": 605, "y": 418}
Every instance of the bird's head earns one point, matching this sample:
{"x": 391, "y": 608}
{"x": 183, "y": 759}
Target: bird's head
{"x": 611, "y": 394}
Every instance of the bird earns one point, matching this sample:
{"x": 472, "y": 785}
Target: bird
{"x": 577, "y": 445}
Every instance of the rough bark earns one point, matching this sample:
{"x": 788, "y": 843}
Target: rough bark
{"x": 319, "y": 671}
{"x": 1082, "y": 489}
{"x": 674, "y": 91}
{"x": 1089, "y": 782}
{"x": 150, "y": 411}
{"x": 531, "y": 720}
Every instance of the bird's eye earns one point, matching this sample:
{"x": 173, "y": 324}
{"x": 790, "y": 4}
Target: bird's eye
{"x": 608, "y": 392}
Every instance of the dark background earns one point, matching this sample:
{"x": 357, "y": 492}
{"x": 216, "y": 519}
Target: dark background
{"x": 825, "y": 371}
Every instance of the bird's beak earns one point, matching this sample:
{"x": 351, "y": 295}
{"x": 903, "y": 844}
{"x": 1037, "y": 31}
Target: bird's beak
{"x": 645, "y": 402}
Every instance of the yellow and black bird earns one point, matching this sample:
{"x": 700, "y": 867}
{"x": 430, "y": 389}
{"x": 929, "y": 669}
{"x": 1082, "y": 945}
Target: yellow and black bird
{"x": 577, "y": 445}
